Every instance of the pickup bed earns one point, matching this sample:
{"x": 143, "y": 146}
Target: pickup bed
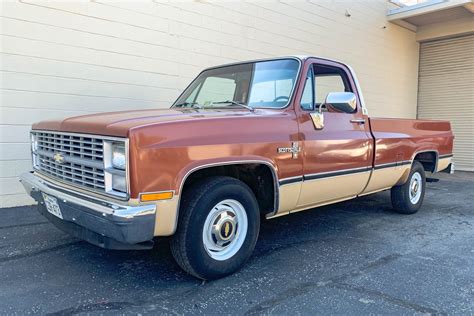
{"x": 244, "y": 141}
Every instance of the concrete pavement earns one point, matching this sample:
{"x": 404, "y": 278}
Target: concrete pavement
{"x": 350, "y": 258}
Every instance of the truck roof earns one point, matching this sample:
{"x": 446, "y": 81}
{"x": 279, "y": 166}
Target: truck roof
{"x": 298, "y": 57}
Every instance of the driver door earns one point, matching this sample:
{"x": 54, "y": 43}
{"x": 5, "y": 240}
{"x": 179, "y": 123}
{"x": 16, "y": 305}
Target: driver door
{"x": 337, "y": 158}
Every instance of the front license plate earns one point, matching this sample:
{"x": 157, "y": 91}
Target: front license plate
{"x": 52, "y": 205}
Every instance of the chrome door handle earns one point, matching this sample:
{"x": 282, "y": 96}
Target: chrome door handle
{"x": 358, "y": 121}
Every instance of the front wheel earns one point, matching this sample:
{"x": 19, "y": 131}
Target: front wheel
{"x": 218, "y": 228}
{"x": 408, "y": 197}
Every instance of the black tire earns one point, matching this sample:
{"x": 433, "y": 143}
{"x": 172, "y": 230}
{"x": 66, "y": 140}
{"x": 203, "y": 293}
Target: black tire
{"x": 400, "y": 194}
{"x": 187, "y": 244}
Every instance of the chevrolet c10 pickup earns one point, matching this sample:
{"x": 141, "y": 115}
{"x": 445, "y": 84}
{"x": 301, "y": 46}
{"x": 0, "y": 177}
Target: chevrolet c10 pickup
{"x": 244, "y": 141}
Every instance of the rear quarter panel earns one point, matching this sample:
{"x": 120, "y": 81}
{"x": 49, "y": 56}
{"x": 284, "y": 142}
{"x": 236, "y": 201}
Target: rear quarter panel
{"x": 398, "y": 141}
{"x": 402, "y": 139}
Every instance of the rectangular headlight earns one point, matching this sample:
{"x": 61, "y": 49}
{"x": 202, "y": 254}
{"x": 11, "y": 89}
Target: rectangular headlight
{"x": 119, "y": 160}
{"x": 119, "y": 183}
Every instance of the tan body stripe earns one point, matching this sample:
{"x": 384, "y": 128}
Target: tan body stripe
{"x": 443, "y": 163}
{"x": 309, "y": 191}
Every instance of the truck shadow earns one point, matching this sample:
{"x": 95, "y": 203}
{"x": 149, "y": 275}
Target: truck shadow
{"x": 157, "y": 267}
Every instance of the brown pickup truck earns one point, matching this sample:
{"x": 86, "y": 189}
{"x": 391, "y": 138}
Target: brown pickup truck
{"x": 254, "y": 139}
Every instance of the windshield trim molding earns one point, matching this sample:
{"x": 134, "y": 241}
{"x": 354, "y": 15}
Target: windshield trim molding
{"x": 292, "y": 92}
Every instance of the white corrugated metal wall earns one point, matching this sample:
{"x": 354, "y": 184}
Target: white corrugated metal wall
{"x": 446, "y": 91}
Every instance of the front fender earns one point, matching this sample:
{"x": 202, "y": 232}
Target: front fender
{"x": 167, "y": 211}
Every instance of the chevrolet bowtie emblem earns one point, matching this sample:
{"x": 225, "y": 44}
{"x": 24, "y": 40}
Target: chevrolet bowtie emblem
{"x": 58, "y": 158}
{"x": 294, "y": 150}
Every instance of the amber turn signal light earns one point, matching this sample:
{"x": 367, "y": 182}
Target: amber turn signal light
{"x": 147, "y": 197}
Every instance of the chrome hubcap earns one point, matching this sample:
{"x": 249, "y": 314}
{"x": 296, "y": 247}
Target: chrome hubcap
{"x": 225, "y": 229}
{"x": 415, "y": 188}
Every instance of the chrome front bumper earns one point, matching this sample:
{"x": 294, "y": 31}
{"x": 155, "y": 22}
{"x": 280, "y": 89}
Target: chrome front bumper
{"x": 102, "y": 223}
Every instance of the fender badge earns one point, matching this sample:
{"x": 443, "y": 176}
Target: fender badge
{"x": 294, "y": 150}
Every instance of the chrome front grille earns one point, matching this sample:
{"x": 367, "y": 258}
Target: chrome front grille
{"x": 88, "y": 148}
{"x": 76, "y": 159}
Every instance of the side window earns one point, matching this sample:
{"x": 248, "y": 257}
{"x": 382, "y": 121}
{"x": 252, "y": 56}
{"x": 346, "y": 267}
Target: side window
{"x": 321, "y": 80}
{"x": 326, "y": 84}
{"x": 329, "y": 79}
{"x": 216, "y": 88}
{"x": 307, "y": 98}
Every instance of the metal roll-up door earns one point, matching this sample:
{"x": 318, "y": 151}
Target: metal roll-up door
{"x": 446, "y": 91}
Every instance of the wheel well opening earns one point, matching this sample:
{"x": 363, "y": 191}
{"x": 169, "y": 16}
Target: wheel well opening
{"x": 258, "y": 177}
{"x": 428, "y": 160}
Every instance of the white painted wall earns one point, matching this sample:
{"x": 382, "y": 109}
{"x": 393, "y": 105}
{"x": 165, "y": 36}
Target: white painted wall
{"x": 76, "y": 57}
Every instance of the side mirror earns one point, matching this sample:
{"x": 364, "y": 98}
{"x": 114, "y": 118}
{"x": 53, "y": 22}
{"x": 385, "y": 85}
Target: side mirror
{"x": 344, "y": 102}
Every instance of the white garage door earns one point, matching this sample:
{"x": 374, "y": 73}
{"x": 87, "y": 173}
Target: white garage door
{"x": 446, "y": 91}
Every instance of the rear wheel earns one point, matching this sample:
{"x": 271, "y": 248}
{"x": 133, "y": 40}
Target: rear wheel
{"x": 408, "y": 197}
{"x": 219, "y": 223}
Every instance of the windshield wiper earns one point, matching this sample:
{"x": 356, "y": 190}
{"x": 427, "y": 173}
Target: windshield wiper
{"x": 192, "y": 104}
{"x": 251, "y": 109}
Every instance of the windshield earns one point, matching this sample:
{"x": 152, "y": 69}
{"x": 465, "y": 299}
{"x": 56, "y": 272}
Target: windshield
{"x": 260, "y": 84}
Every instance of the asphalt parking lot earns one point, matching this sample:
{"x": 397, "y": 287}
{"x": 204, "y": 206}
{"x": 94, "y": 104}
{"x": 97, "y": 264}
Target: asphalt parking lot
{"x": 350, "y": 258}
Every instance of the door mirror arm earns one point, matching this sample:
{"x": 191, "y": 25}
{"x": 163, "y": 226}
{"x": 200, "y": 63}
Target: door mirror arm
{"x": 318, "y": 117}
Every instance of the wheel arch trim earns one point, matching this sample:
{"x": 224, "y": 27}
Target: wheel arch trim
{"x": 434, "y": 151}
{"x": 272, "y": 167}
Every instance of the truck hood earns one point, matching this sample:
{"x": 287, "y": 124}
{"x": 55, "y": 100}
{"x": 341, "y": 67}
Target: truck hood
{"x": 120, "y": 123}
